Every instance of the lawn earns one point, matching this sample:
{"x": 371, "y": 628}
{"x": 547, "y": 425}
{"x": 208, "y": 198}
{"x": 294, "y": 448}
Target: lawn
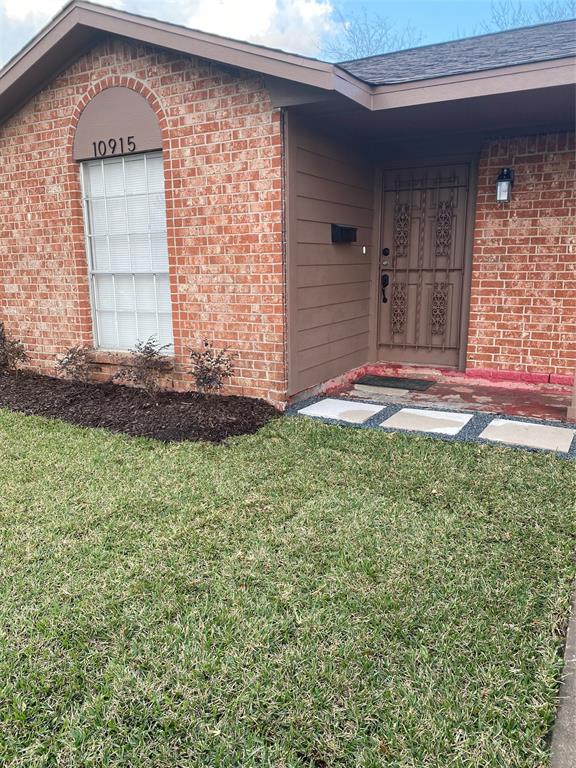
{"x": 305, "y": 596}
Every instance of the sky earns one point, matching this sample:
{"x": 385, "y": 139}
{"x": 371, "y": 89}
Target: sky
{"x": 301, "y": 26}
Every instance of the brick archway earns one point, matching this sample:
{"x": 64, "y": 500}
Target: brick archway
{"x": 75, "y": 193}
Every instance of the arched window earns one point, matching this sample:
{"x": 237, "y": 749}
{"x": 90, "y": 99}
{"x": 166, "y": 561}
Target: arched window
{"x": 124, "y": 204}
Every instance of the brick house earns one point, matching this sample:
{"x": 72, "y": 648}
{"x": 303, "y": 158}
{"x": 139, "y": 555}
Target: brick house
{"x": 315, "y": 218}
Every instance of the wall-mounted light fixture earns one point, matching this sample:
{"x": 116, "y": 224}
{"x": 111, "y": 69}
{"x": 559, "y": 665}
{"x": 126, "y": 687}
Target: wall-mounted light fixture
{"x": 504, "y": 185}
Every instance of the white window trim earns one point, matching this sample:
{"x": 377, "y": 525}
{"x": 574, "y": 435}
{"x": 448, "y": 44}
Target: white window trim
{"x": 93, "y": 272}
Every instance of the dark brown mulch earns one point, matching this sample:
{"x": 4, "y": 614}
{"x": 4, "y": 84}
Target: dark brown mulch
{"x": 169, "y": 416}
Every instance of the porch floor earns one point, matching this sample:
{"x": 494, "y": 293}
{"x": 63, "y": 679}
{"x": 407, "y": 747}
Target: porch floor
{"x": 457, "y": 391}
{"x": 455, "y": 407}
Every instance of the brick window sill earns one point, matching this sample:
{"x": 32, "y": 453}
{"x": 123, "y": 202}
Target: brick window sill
{"x": 113, "y": 357}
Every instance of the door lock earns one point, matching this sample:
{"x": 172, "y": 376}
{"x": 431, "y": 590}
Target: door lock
{"x": 384, "y": 283}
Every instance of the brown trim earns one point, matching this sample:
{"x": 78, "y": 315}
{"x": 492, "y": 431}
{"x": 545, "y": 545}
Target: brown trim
{"x": 376, "y": 264}
{"x": 38, "y": 46}
{"x": 290, "y": 208}
{"x": 71, "y": 30}
{"x": 285, "y": 245}
{"x": 207, "y": 46}
{"x": 468, "y": 261}
{"x": 354, "y": 89}
{"x": 60, "y": 37}
{"x": 543, "y": 74}
{"x": 571, "y": 413}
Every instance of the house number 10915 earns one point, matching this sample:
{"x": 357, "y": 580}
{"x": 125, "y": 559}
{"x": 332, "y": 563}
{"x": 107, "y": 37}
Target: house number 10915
{"x": 106, "y": 147}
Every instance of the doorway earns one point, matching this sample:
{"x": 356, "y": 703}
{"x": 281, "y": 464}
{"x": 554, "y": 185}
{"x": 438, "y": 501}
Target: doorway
{"x": 423, "y": 265}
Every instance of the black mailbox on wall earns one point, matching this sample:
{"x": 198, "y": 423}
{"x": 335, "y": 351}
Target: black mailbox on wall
{"x": 343, "y": 234}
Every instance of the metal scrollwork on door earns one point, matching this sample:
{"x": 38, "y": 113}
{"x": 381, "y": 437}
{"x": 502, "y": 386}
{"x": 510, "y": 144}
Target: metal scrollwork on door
{"x": 443, "y": 235}
{"x": 439, "y": 309}
{"x": 401, "y": 229}
{"x": 398, "y": 307}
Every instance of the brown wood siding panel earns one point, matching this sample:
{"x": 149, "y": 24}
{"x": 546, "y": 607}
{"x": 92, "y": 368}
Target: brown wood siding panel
{"x": 331, "y": 351}
{"x": 327, "y": 212}
{"x": 323, "y": 165}
{"x": 328, "y": 370}
{"x": 332, "y": 274}
{"x": 329, "y": 284}
{"x": 326, "y": 255}
{"x": 327, "y": 334}
{"x": 316, "y": 317}
{"x": 336, "y": 191}
{"x": 328, "y": 295}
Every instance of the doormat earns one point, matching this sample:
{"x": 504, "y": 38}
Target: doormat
{"x": 396, "y": 382}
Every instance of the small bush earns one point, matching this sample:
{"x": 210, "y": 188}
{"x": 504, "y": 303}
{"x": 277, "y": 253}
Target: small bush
{"x": 12, "y": 351}
{"x": 210, "y": 368}
{"x": 75, "y": 364}
{"x": 146, "y": 367}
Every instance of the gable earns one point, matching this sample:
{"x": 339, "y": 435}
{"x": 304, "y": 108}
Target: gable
{"x": 366, "y": 82}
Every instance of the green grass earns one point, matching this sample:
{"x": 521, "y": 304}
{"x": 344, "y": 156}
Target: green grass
{"x": 307, "y": 596}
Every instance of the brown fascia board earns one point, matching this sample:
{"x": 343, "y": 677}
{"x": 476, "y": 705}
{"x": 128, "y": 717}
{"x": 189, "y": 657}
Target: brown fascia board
{"x": 523, "y": 77}
{"x": 81, "y": 22}
{"x": 60, "y": 39}
{"x": 207, "y": 46}
{"x": 24, "y": 73}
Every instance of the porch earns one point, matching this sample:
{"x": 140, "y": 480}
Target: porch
{"x": 459, "y": 391}
{"x": 440, "y": 274}
{"x": 450, "y": 405}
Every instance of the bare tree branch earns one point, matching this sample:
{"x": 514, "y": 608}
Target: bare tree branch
{"x": 507, "y": 14}
{"x": 365, "y": 33}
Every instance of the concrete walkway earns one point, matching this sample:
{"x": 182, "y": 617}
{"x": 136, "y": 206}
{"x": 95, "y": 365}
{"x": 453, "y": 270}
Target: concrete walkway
{"x": 444, "y": 423}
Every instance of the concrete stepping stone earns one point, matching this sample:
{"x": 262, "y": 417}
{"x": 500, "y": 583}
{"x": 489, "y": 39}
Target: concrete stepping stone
{"x": 419, "y": 420}
{"x": 529, "y": 435}
{"x": 343, "y": 410}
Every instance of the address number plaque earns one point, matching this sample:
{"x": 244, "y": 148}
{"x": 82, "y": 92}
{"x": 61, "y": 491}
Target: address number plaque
{"x": 109, "y": 147}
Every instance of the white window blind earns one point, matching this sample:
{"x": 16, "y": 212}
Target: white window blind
{"x": 125, "y": 223}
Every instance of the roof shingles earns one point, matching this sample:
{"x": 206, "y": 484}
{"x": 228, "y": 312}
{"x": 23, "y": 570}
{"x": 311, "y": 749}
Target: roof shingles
{"x": 544, "y": 42}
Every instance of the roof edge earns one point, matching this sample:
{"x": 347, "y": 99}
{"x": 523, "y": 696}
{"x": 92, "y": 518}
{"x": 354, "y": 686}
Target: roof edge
{"x": 80, "y": 22}
{"x": 456, "y": 40}
{"x": 269, "y": 61}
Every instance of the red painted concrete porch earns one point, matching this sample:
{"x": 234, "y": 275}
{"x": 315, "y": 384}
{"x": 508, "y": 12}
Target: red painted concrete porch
{"x": 456, "y": 390}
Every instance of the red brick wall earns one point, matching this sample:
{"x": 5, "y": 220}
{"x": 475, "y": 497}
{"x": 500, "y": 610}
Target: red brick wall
{"x": 223, "y": 165}
{"x": 523, "y": 305}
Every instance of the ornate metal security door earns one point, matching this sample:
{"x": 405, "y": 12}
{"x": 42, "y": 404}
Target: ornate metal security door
{"x": 422, "y": 265}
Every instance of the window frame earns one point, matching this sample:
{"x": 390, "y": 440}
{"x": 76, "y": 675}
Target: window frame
{"x": 89, "y": 235}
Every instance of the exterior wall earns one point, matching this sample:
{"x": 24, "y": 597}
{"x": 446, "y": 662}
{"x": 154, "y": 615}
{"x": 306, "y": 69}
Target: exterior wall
{"x": 329, "y": 285}
{"x": 222, "y": 146}
{"x": 523, "y": 303}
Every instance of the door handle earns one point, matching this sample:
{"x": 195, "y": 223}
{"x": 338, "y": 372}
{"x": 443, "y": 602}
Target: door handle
{"x": 384, "y": 283}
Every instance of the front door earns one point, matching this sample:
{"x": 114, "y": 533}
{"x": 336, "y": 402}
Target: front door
{"x": 422, "y": 265}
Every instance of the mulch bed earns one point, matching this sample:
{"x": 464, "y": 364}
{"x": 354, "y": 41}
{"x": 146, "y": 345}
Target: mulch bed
{"x": 169, "y": 416}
